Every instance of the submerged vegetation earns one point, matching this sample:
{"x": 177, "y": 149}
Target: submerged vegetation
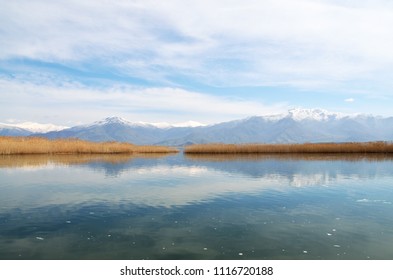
{"x": 38, "y": 145}
{"x": 309, "y": 148}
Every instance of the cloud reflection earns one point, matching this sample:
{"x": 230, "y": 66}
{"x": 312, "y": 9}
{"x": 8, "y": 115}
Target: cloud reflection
{"x": 72, "y": 181}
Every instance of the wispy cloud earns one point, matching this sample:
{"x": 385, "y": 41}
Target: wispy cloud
{"x": 298, "y": 43}
{"x": 77, "y": 102}
{"x": 349, "y": 100}
{"x": 148, "y": 59}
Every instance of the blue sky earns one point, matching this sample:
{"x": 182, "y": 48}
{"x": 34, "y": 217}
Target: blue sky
{"x": 77, "y": 61}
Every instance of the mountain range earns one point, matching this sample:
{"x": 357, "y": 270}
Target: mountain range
{"x": 295, "y": 126}
{"x": 28, "y": 128}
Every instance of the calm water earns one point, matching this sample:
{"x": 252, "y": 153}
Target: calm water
{"x": 176, "y": 207}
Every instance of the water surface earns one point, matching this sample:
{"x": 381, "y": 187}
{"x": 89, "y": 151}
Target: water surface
{"x": 200, "y": 207}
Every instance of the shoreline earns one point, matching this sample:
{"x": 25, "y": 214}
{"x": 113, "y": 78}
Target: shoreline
{"x": 299, "y": 148}
{"x": 10, "y": 145}
{"x": 16, "y": 145}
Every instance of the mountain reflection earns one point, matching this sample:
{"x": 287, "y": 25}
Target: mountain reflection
{"x": 199, "y": 207}
{"x": 175, "y": 180}
{"x": 254, "y": 166}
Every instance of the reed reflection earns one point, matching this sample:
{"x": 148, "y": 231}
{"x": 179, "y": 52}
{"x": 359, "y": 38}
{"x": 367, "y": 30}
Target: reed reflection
{"x": 20, "y": 161}
{"x": 289, "y": 157}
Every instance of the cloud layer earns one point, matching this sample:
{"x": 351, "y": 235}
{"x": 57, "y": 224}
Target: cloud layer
{"x": 134, "y": 103}
{"x": 300, "y": 43}
{"x": 147, "y": 54}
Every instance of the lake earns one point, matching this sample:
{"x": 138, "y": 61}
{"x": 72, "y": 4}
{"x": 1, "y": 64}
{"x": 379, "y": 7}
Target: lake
{"x": 199, "y": 207}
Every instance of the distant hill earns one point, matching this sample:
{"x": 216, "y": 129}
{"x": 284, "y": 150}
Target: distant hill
{"x": 118, "y": 129}
{"x": 27, "y": 128}
{"x": 9, "y": 130}
{"x": 296, "y": 126}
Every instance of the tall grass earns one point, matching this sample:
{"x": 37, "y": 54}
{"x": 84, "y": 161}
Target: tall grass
{"x": 311, "y": 148}
{"x": 38, "y": 145}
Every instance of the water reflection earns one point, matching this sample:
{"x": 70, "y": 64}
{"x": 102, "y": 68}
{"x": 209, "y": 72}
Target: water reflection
{"x": 175, "y": 207}
{"x": 111, "y": 164}
{"x": 16, "y": 161}
{"x": 170, "y": 181}
{"x": 293, "y": 156}
{"x": 295, "y": 166}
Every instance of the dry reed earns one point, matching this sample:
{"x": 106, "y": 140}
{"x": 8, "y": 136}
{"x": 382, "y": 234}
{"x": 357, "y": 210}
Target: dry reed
{"x": 38, "y": 145}
{"x": 310, "y": 148}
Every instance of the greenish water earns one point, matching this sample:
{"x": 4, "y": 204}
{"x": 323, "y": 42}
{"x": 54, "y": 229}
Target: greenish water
{"x": 178, "y": 207}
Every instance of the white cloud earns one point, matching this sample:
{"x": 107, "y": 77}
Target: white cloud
{"x": 76, "y": 103}
{"x": 304, "y": 43}
{"x": 350, "y": 100}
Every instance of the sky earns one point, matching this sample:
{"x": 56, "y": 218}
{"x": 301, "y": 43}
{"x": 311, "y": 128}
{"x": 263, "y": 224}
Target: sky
{"x": 78, "y": 61}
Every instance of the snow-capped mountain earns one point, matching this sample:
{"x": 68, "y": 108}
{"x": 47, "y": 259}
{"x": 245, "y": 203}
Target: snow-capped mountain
{"x": 39, "y": 127}
{"x": 299, "y": 114}
{"x": 10, "y": 130}
{"x": 188, "y": 124}
{"x": 118, "y": 120}
{"x": 27, "y": 128}
{"x": 119, "y": 129}
{"x": 296, "y": 126}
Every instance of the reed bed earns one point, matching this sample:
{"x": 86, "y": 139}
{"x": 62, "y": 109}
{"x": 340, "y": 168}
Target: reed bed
{"x": 305, "y": 148}
{"x": 38, "y": 145}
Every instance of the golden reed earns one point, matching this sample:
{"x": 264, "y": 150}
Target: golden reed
{"x": 311, "y": 148}
{"x": 38, "y": 145}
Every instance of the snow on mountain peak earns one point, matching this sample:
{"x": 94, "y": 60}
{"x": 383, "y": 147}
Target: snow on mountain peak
{"x": 112, "y": 120}
{"x": 118, "y": 120}
{"x": 168, "y": 125}
{"x": 188, "y": 124}
{"x": 36, "y": 127}
{"x": 40, "y": 127}
{"x": 300, "y": 114}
